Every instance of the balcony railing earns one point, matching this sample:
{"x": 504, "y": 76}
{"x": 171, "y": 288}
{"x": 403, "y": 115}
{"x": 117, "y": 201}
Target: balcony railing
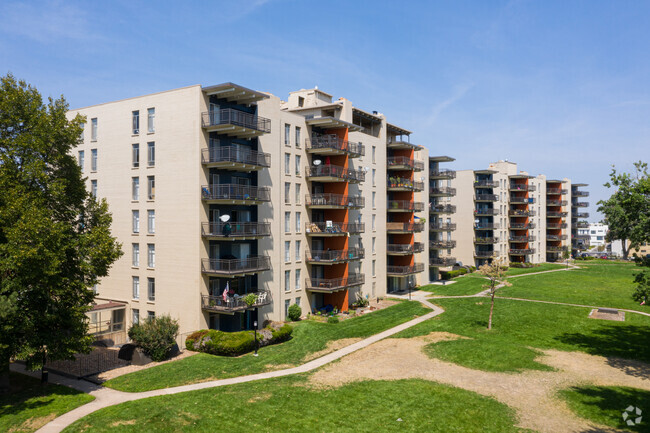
{"x": 554, "y": 214}
{"x": 555, "y": 191}
{"x": 556, "y": 249}
{"x": 235, "y": 155}
{"x": 521, "y": 251}
{"x": 443, "y": 208}
{"x": 522, "y": 226}
{"x": 522, "y": 187}
{"x": 442, "y": 261}
{"x": 235, "y": 303}
{"x": 582, "y": 225}
{"x": 486, "y": 211}
{"x": 336, "y": 200}
{"x": 443, "y": 174}
{"x": 334, "y": 255}
{"x": 236, "y": 266}
{"x": 336, "y": 171}
{"x": 405, "y": 270}
{"x": 442, "y": 245}
{"x": 398, "y": 162}
{"x": 522, "y": 200}
{"x": 405, "y": 205}
{"x": 405, "y": 249}
{"x": 576, "y": 193}
{"x": 530, "y": 238}
{"x": 442, "y": 190}
{"x": 485, "y": 254}
{"x": 332, "y": 142}
{"x": 333, "y": 228}
{"x": 583, "y": 237}
{"x": 486, "y": 240}
{"x": 521, "y": 213}
{"x": 486, "y": 184}
{"x": 556, "y": 202}
{"x": 486, "y": 197}
{"x": 231, "y": 191}
{"x": 230, "y": 116}
{"x": 486, "y": 226}
{"x": 556, "y": 226}
{"x": 580, "y": 204}
{"x": 404, "y": 227}
{"x": 444, "y": 227}
{"x": 556, "y": 237}
{"x": 404, "y": 183}
{"x": 334, "y": 284}
{"x": 234, "y": 229}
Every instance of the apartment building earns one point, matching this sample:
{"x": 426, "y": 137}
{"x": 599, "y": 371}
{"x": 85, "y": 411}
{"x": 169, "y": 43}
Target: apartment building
{"x": 441, "y": 192}
{"x": 219, "y": 192}
{"x": 597, "y": 234}
{"x": 579, "y": 241}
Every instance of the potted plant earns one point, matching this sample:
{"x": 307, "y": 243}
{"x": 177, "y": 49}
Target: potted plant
{"x": 250, "y": 299}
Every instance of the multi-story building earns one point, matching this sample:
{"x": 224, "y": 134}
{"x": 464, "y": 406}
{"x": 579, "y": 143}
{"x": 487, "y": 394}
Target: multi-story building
{"x": 440, "y": 228}
{"x": 557, "y": 215}
{"x": 579, "y": 241}
{"x": 220, "y": 192}
{"x": 597, "y": 234}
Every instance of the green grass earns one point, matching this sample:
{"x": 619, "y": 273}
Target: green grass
{"x": 541, "y": 268}
{"x": 308, "y": 337}
{"x": 603, "y": 285}
{"x": 469, "y": 284}
{"x": 519, "y": 328}
{"x": 287, "y": 405}
{"x": 28, "y": 406}
{"x": 605, "y": 405}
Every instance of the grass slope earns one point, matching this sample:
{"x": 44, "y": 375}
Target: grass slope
{"x": 29, "y": 405}
{"x": 308, "y": 337}
{"x": 541, "y": 268}
{"x": 469, "y": 284}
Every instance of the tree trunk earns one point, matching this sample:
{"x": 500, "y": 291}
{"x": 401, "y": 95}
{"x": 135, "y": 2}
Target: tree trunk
{"x": 491, "y": 309}
{"x": 4, "y": 375}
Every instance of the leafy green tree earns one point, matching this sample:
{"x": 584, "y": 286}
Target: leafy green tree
{"x": 55, "y": 240}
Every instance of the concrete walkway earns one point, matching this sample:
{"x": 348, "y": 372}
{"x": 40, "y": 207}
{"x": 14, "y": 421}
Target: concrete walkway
{"x": 105, "y": 397}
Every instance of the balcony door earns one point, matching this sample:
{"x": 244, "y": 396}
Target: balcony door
{"x": 241, "y": 250}
{"x": 214, "y": 114}
{"x": 241, "y": 216}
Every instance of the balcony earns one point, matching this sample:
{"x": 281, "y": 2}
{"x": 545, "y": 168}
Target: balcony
{"x": 486, "y": 184}
{"x": 235, "y": 158}
{"x": 554, "y": 238}
{"x": 404, "y": 163}
{"x": 581, "y": 225}
{"x": 398, "y": 143}
{"x": 486, "y": 254}
{"x": 404, "y": 227}
{"x": 442, "y": 227}
{"x": 556, "y": 226}
{"x": 442, "y": 191}
{"x": 486, "y": 226}
{"x": 442, "y": 208}
{"x": 236, "y": 303}
{"x": 331, "y": 228}
{"x": 330, "y": 285}
{"x": 235, "y": 230}
{"x": 404, "y": 249}
{"x": 554, "y": 214}
{"x": 522, "y": 238}
{"x": 486, "y": 211}
{"x": 556, "y": 202}
{"x": 236, "y": 267}
{"x": 325, "y": 257}
{"x": 580, "y": 215}
{"x": 521, "y": 213}
{"x": 580, "y": 204}
{"x": 405, "y": 206}
{"x": 521, "y": 251}
{"x": 486, "y": 197}
{"x": 235, "y": 123}
{"x": 442, "y": 245}
{"x": 581, "y": 237}
{"x": 484, "y": 240}
{"x": 331, "y": 144}
{"x": 521, "y": 200}
{"x": 556, "y": 249}
{"x": 522, "y": 187}
{"x": 230, "y": 193}
{"x": 522, "y": 226}
{"x": 403, "y": 184}
{"x": 555, "y": 191}
{"x": 333, "y": 201}
{"x": 576, "y": 193}
{"x": 334, "y": 173}
{"x": 402, "y": 271}
{"x": 442, "y": 174}
{"x": 442, "y": 261}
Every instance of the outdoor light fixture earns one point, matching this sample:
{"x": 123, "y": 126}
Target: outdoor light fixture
{"x": 255, "y": 326}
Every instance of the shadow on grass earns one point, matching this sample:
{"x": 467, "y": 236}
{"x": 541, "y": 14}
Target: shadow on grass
{"x": 27, "y": 394}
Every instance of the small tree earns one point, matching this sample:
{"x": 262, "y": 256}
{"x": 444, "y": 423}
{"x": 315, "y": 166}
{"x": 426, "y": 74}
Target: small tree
{"x": 294, "y": 312}
{"x": 566, "y": 255}
{"x": 496, "y": 274}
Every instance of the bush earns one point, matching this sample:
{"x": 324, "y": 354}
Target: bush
{"x": 156, "y": 337}
{"x": 524, "y": 265}
{"x": 294, "y": 312}
{"x": 332, "y": 319}
{"x": 448, "y": 275}
{"x": 235, "y": 343}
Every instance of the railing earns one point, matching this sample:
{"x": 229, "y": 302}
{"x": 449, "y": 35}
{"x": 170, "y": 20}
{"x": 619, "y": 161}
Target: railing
{"x": 522, "y": 187}
{"x": 442, "y": 190}
{"x": 230, "y": 116}
{"x": 522, "y": 226}
{"x": 556, "y": 191}
{"x": 405, "y": 270}
{"x": 442, "y": 261}
{"x": 486, "y": 184}
{"x": 442, "y": 244}
{"x": 442, "y": 226}
{"x": 556, "y": 202}
{"x": 417, "y": 247}
{"x": 402, "y": 182}
{"x": 485, "y": 254}
{"x": 556, "y": 237}
{"x": 332, "y": 141}
{"x": 231, "y": 191}
{"x": 486, "y": 211}
{"x": 580, "y": 204}
{"x": 443, "y": 174}
{"x": 584, "y": 237}
{"x": 443, "y": 208}
{"x": 557, "y": 226}
{"x": 235, "y": 154}
{"x": 334, "y": 255}
{"x": 334, "y": 228}
{"x": 530, "y": 238}
{"x": 335, "y": 171}
{"x": 486, "y": 240}
{"x": 333, "y": 284}
{"x": 577, "y": 193}
{"x": 554, "y": 214}
{"x": 102, "y": 327}
{"x": 521, "y": 212}
{"x": 486, "y": 197}
{"x": 521, "y": 251}
{"x": 236, "y": 266}
{"x": 486, "y": 226}
{"x": 407, "y": 205}
{"x": 235, "y": 229}
{"x": 556, "y": 249}
{"x": 582, "y": 225}
{"x": 328, "y": 199}
{"x": 404, "y": 227}
{"x": 394, "y": 161}
{"x": 235, "y": 303}
{"x": 522, "y": 200}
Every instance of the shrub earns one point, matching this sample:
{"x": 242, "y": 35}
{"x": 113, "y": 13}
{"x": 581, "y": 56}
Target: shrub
{"x": 156, "y": 337}
{"x": 294, "y": 312}
{"x": 332, "y": 319}
{"x": 250, "y": 299}
{"x": 448, "y": 275}
{"x": 524, "y": 265}
{"x": 235, "y": 343}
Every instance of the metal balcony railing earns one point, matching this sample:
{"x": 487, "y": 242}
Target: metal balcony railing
{"x": 405, "y": 270}
{"x": 442, "y": 245}
{"x": 443, "y": 174}
{"x": 556, "y": 249}
{"x": 485, "y": 254}
{"x": 405, "y": 205}
{"x": 437, "y": 226}
{"x": 333, "y": 142}
{"x": 339, "y": 200}
{"x": 521, "y": 251}
{"x": 530, "y": 238}
{"x": 486, "y": 211}
{"x": 522, "y": 226}
{"x": 522, "y": 187}
{"x": 334, "y": 284}
{"x": 235, "y": 303}
{"x": 337, "y": 172}
{"x": 582, "y": 225}
{"x": 403, "y": 161}
{"x": 522, "y": 200}
{"x": 556, "y": 237}
{"x": 417, "y": 247}
{"x": 404, "y": 183}
{"x": 442, "y": 261}
{"x": 231, "y": 191}
{"x": 554, "y": 214}
{"x": 521, "y": 212}
{"x": 486, "y": 226}
{"x": 334, "y": 228}
{"x": 556, "y": 202}
{"x": 235, "y": 154}
{"x": 556, "y": 226}
{"x": 576, "y": 193}
{"x": 486, "y": 184}
{"x": 236, "y": 266}
{"x": 486, "y": 197}
{"x": 486, "y": 240}
{"x": 580, "y": 204}
{"x": 442, "y": 190}
{"x": 334, "y": 255}
{"x": 555, "y": 191}
{"x": 235, "y": 229}
{"x": 443, "y": 208}
{"x": 230, "y": 116}
{"x": 404, "y": 227}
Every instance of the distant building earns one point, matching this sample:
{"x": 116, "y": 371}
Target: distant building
{"x": 597, "y": 234}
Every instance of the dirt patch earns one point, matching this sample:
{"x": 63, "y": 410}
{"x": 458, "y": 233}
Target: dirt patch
{"x": 127, "y": 422}
{"x": 617, "y": 317}
{"x": 103, "y": 377}
{"x": 532, "y": 394}
{"x": 33, "y": 424}
{"x": 274, "y": 367}
{"x": 331, "y": 347}
{"x": 261, "y": 397}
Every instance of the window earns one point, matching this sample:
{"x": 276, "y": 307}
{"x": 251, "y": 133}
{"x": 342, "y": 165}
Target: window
{"x": 151, "y": 289}
{"x": 297, "y": 193}
{"x": 374, "y": 268}
{"x": 297, "y": 252}
{"x": 298, "y": 222}
{"x": 297, "y": 136}
{"x": 136, "y": 221}
{"x": 374, "y": 176}
{"x": 287, "y": 134}
{"x": 135, "y": 155}
{"x": 287, "y": 281}
{"x": 81, "y": 160}
{"x": 287, "y": 162}
{"x": 151, "y": 187}
{"x": 374, "y": 199}
{"x": 297, "y": 165}
{"x": 374, "y": 245}
{"x": 93, "y": 159}
{"x": 374, "y": 153}
{"x": 151, "y": 255}
{"x": 136, "y": 316}
{"x": 151, "y": 154}
{"x": 83, "y": 129}
{"x": 136, "y": 254}
{"x": 287, "y": 193}
{"x": 93, "y": 188}
{"x": 93, "y": 129}
{"x": 374, "y": 219}
{"x": 301, "y": 101}
{"x": 135, "y": 188}
{"x": 298, "y": 284}
{"x": 151, "y": 221}
{"x": 151, "y": 116}
{"x": 136, "y": 287}
{"x": 136, "y": 121}
{"x": 151, "y": 315}
{"x": 287, "y": 222}
{"x": 287, "y": 251}
{"x": 286, "y": 307}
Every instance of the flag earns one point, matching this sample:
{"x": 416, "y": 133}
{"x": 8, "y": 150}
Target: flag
{"x": 225, "y": 294}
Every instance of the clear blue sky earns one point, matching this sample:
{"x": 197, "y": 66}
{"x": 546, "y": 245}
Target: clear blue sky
{"x": 560, "y": 87}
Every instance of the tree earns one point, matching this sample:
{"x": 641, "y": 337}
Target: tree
{"x": 566, "y": 255}
{"x": 627, "y": 211}
{"x": 55, "y": 240}
{"x": 642, "y": 280}
{"x": 496, "y": 274}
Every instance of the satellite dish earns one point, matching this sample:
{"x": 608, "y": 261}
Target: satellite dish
{"x": 317, "y": 162}
{"x": 224, "y": 218}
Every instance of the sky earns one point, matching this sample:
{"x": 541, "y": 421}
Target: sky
{"x": 560, "y": 87}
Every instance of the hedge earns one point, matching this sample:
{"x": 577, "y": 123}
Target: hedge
{"x": 156, "y": 336}
{"x": 235, "y": 343}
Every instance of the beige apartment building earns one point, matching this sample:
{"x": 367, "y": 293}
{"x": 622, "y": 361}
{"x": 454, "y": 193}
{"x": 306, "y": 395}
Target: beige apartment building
{"x": 220, "y": 192}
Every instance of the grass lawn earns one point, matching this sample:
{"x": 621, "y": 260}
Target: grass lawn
{"x": 603, "y": 285}
{"x": 469, "y": 284}
{"x": 286, "y": 405}
{"x": 541, "y": 268}
{"x": 605, "y": 405}
{"x": 518, "y": 325}
{"x": 29, "y": 405}
{"x": 308, "y": 337}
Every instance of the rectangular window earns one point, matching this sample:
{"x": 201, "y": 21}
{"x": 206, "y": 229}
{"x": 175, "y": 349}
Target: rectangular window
{"x": 151, "y": 154}
{"x": 297, "y": 165}
{"x": 297, "y": 193}
{"x": 151, "y": 256}
{"x": 83, "y": 129}
{"x": 374, "y": 176}
{"x": 135, "y": 316}
{"x": 374, "y": 199}
{"x": 151, "y": 289}
{"x": 93, "y": 188}
{"x": 298, "y": 284}
{"x": 136, "y": 287}
{"x": 374, "y": 153}
{"x": 287, "y": 281}
{"x": 287, "y": 222}
{"x": 136, "y": 121}
{"x": 81, "y": 160}
{"x": 374, "y": 220}
{"x": 135, "y": 188}
{"x": 136, "y": 254}
{"x": 374, "y": 245}
{"x": 136, "y": 221}
{"x": 297, "y": 136}
{"x": 287, "y": 193}
{"x": 298, "y": 223}
{"x": 151, "y": 221}
{"x": 286, "y": 307}
{"x": 374, "y": 268}
{"x": 287, "y": 251}
{"x": 93, "y": 129}
{"x": 151, "y": 187}
{"x": 297, "y": 252}
{"x": 151, "y": 116}
{"x": 287, "y": 163}
{"x": 151, "y": 315}
{"x": 135, "y": 155}
{"x": 298, "y": 302}
{"x": 93, "y": 159}
{"x": 287, "y": 134}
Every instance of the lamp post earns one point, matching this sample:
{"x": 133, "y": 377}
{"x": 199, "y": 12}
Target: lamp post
{"x": 255, "y": 327}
